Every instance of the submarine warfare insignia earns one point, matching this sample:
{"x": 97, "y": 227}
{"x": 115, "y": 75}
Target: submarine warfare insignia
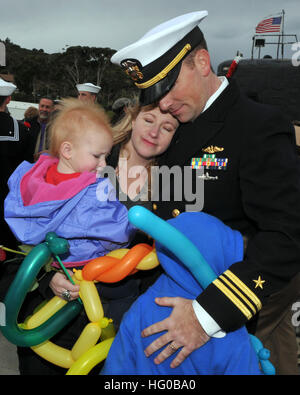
{"x": 132, "y": 69}
{"x": 212, "y": 149}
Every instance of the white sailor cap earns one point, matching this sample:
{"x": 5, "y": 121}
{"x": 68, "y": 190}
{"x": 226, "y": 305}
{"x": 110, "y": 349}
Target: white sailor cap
{"x": 88, "y": 87}
{"x": 154, "y": 61}
{"x": 6, "y": 88}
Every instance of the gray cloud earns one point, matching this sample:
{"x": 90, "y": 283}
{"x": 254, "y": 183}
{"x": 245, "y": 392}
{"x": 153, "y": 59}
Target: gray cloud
{"x": 117, "y": 23}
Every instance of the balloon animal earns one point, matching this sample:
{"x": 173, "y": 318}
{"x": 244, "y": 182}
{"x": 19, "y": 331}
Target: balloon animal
{"x": 49, "y": 319}
{"x": 36, "y": 331}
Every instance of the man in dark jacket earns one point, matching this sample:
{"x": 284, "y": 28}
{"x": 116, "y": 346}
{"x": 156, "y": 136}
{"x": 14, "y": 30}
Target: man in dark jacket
{"x": 244, "y": 154}
{"x": 38, "y": 125}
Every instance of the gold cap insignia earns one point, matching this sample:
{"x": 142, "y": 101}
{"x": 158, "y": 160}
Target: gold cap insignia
{"x": 132, "y": 69}
{"x": 212, "y": 149}
{"x": 259, "y": 282}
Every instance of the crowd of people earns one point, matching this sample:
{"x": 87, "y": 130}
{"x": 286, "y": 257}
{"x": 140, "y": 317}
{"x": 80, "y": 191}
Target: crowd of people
{"x": 242, "y": 154}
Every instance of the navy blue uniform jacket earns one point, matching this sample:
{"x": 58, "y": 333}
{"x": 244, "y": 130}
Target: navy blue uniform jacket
{"x": 258, "y": 194}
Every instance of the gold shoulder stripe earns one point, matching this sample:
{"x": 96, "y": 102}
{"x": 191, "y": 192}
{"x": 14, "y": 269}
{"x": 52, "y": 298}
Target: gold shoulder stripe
{"x": 167, "y": 69}
{"x": 241, "y": 296}
{"x": 233, "y": 298}
{"x": 247, "y": 291}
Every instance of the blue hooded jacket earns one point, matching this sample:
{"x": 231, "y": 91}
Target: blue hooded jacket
{"x": 78, "y": 210}
{"x": 232, "y": 354}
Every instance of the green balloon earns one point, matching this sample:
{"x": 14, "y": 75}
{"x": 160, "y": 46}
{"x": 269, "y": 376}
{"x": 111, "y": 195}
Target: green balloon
{"x": 57, "y": 245}
{"x": 16, "y": 294}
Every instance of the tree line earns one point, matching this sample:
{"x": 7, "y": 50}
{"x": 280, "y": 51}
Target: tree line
{"x": 37, "y": 73}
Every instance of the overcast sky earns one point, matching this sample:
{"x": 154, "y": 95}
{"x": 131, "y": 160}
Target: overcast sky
{"x": 51, "y": 25}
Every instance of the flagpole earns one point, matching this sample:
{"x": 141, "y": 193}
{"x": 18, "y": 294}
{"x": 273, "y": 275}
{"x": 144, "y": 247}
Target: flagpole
{"x": 282, "y": 34}
{"x": 278, "y": 46}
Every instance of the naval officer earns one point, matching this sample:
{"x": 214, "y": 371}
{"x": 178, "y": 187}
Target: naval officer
{"x": 247, "y": 154}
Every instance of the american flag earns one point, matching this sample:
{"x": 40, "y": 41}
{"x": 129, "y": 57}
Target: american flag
{"x": 269, "y": 25}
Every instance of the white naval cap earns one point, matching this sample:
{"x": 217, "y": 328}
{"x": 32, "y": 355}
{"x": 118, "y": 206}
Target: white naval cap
{"x": 88, "y": 87}
{"x": 154, "y": 61}
{"x": 6, "y": 88}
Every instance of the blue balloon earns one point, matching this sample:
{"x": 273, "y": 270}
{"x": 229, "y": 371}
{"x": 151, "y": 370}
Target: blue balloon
{"x": 175, "y": 241}
{"x": 263, "y": 356}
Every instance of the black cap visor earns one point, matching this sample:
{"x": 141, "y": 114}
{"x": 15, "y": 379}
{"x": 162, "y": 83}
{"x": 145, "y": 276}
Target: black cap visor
{"x": 155, "y": 92}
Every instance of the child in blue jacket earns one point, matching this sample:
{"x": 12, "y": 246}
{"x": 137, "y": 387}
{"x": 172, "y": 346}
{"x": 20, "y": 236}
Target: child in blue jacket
{"x": 233, "y": 354}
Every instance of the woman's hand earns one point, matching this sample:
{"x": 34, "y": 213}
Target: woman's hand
{"x": 59, "y": 284}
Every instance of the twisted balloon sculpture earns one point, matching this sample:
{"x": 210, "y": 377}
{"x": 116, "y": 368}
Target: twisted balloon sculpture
{"x": 53, "y": 316}
{"x": 57, "y": 313}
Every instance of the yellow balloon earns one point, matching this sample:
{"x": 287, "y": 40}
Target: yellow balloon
{"x": 91, "y": 301}
{"x": 38, "y": 307}
{"x": 120, "y": 253}
{"x": 90, "y": 359}
{"x": 45, "y": 312}
{"x": 88, "y": 338}
{"x": 55, "y": 354}
{"x": 108, "y": 329}
{"x": 75, "y": 278}
{"x": 150, "y": 261}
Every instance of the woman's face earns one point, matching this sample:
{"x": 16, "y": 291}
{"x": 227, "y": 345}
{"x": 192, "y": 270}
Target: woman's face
{"x": 152, "y": 132}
